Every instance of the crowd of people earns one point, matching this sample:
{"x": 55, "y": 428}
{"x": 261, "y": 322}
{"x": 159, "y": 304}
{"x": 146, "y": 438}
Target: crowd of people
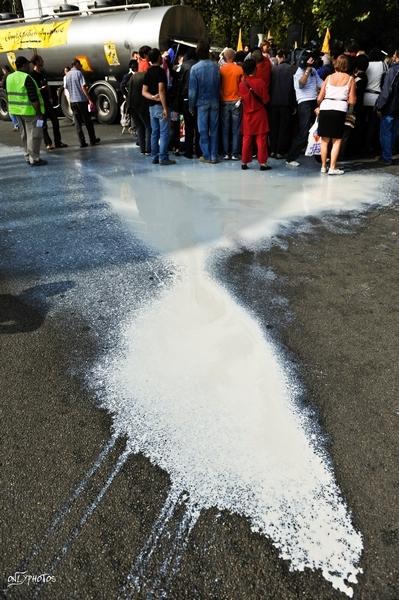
{"x": 233, "y": 106}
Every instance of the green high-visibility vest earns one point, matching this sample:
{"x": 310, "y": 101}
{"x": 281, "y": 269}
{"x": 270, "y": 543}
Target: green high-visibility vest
{"x": 18, "y": 100}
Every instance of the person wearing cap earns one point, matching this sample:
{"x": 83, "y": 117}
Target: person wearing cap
{"x": 26, "y": 103}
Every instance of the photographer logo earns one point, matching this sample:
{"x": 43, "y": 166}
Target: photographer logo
{"x": 21, "y": 577}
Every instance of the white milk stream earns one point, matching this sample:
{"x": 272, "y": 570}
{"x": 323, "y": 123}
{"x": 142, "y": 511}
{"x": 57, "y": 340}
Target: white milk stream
{"x": 200, "y": 389}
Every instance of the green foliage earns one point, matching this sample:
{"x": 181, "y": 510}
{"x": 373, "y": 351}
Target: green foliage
{"x": 368, "y": 22}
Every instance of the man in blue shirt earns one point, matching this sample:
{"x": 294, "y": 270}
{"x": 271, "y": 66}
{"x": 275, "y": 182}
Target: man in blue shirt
{"x": 387, "y": 106}
{"x": 203, "y": 95}
{"x": 80, "y": 101}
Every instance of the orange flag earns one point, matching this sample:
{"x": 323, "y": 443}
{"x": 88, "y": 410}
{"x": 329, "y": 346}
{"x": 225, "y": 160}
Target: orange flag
{"x": 239, "y": 43}
{"x": 326, "y": 44}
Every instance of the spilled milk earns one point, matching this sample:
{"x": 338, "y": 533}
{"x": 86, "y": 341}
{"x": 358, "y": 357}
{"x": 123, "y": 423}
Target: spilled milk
{"x": 199, "y": 388}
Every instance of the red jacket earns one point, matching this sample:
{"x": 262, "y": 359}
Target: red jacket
{"x": 254, "y": 119}
{"x": 264, "y": 71}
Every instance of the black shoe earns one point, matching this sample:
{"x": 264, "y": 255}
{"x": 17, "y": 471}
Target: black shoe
{"x": 61, "y": 145}
{"x": 265, "y": 168}
{"x": 38, "y": 163}
{"x": 155, "y": 161}
{"x": 188, "y": 156}
{"x": 84, "y": 145}
{"x": 94, "y": 142}
{"x": 244, "y": 167}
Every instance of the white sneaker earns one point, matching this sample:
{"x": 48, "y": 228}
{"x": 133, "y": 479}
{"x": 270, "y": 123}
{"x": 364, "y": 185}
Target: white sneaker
{"x": 323, "y": 170}
{"x": 335, "y": 171}
{"x": 235, "y": 157}
{"x": 292, "y": 163}
{"x": 226, "y": 157}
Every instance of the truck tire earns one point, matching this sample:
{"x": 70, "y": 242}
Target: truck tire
{"x": 66, "y": 107}
{"x": 4, "y": 116}
{"x": 106, "y": 103}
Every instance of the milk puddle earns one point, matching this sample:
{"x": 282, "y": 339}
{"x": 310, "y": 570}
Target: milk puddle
{"x": 199, "y": 388}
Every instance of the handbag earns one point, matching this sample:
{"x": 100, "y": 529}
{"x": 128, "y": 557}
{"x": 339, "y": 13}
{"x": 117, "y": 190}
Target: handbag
{"x": 314, "y": 145}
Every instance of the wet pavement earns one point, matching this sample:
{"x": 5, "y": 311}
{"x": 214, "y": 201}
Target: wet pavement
{"x": 194, "y": 360}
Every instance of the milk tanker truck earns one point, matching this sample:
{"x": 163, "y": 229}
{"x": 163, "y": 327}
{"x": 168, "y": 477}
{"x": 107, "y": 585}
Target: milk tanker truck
{"x": 102, "y": 37}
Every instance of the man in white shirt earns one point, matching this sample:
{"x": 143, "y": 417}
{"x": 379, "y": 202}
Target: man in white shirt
{"x": 307, "y": 84}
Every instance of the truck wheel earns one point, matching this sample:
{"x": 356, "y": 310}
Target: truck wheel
{"x": 106, "y": 103}
{"x": 4, "y": 116}
{"x": 66, "y": 107}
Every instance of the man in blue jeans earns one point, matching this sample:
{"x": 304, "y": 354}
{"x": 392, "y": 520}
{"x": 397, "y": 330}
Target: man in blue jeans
{"x": 203, "y": 95}
{"x": 154, "y": 90}
{"x": 230, "y": 78}
{"x": 387, "y": 106}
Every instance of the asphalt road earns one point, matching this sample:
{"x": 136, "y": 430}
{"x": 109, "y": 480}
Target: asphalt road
{"x": 73, "y": 505}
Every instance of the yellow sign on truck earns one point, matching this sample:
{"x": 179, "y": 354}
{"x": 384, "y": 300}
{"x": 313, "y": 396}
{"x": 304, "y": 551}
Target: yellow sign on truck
{"x": 37, "y": 35}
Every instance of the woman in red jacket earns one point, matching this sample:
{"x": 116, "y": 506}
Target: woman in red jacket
{"x": 255, "y": 122}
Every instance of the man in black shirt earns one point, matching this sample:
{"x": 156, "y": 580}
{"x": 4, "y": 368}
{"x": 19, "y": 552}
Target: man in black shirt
{"x": 40, "y": 77}
{"x": 139, "y": 110}
{"x": 154, "y": 90}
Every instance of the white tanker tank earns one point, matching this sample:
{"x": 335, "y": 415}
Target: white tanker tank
{"x": 103, "y": 40}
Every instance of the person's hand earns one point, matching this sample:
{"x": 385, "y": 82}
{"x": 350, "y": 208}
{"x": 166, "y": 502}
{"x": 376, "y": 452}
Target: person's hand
{"x": 310, "y": 61}
{"x": 379, "y": 114}
{"x": 317, "y": 110}
{"x": 156, "y": 98}
{"x": 164, "y": 114}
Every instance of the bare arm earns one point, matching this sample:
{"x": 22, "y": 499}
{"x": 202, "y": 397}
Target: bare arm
{"x": 352, "y": 93}
{"x": 322, "y": 93}
{"x": 303, "y": 80}
{"x": 149, "y": 96}
{"x": 85, "y": 90}
{"x": 162, "y": 97}
{"x": 309, "y": 67}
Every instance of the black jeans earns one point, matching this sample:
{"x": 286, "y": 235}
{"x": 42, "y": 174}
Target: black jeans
{"x": 280, "y": 129}
{"x": 306, "y": 118}
{"x": 191, "y": 135}
{"x": 141, "y": 120}
{"x": 51, "y": 116}
{"x": 82, "y": 117}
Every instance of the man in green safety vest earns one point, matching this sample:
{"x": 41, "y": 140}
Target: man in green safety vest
{"x": 26, "y": 103}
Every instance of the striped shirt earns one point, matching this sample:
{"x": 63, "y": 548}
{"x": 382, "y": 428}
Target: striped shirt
{"x": 310, "y": 89}
{"x": 74, "y": 81}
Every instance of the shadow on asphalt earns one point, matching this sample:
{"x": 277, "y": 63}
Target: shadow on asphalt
{"x": 27, "y": 311}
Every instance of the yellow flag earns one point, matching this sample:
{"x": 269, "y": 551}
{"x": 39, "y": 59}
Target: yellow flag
{"x": 269, "y": 35}
{"x": 239, "y": 43}
{"x": 326, "y": 44}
